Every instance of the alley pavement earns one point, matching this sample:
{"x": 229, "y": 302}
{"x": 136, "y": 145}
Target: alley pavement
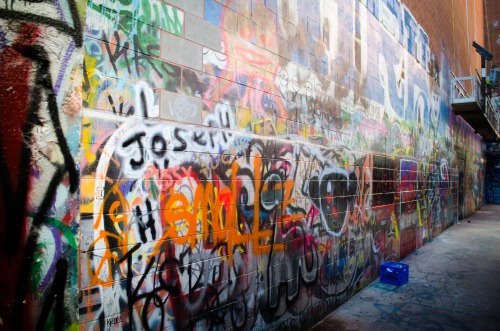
{"x": 454, "y": 284}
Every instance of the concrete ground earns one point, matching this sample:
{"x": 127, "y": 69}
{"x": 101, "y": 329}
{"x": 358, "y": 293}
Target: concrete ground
{"x": 454, "y": 284}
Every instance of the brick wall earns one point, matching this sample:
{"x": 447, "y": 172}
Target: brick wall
{"x": 243, "y": 164}
{"x": 249, "y": 164}
{"x": 492, "y": 27}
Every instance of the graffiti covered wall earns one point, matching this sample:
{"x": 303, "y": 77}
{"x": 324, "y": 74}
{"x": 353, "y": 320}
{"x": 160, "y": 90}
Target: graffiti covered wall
{"x": 238, "y": 164}
{"x": 250, "y": 164}
{"x": 41, "y": 59}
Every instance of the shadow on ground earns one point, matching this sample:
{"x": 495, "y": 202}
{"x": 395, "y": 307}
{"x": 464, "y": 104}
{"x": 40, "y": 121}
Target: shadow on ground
{"x": 454, "y": 284}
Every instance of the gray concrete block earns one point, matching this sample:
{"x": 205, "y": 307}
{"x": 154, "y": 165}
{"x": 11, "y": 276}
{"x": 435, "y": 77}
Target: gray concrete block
{"x": 194, "y": 7}
{"x": 181, "y": 51}
{"x": 203, "y": 32}
{"x": 180, "y": 108}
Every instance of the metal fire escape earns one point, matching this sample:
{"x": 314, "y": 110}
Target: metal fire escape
{"x": 466, "y": 101}
{"x": 471, "y": 100}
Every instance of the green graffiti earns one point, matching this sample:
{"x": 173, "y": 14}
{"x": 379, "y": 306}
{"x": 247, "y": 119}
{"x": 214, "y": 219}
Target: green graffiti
{"x": 156, "y": 14}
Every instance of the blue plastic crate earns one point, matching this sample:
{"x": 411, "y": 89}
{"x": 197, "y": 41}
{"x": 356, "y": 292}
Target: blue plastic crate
{"x": 395, "y": 273}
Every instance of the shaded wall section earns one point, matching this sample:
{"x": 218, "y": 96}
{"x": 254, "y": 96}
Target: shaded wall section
{"x": 40, "y": 109}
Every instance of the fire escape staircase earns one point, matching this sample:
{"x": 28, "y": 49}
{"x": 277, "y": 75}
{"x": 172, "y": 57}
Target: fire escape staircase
{"x": 466, "y": 102}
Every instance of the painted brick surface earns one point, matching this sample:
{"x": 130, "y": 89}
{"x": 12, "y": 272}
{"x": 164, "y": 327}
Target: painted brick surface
{"x": 178, "y": 107}
{"x": 181, "y": 51}
{"x": 203, "y": 32}
{"x": 299, "y": 145}
{"x": 194, "y": 7}
{"x": 237, "y": 164}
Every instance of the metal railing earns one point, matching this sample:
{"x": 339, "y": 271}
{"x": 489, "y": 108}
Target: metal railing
{"x": 492, "y": 115}
{"x": 468, "y": 90}
{"x": 465, "y": 89}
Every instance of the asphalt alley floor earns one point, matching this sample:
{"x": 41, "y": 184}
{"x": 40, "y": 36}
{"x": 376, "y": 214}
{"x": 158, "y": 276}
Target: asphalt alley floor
{"x": 454, "y": 284}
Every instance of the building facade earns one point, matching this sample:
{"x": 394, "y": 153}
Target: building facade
{"x": 230, "y": 164}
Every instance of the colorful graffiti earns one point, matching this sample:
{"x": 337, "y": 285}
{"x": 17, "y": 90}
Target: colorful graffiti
{"x": 262, "y": 185}
{"x": 40, "y": 103}
{"x": 252, "y": 184}
{"x": 235, "y": 233}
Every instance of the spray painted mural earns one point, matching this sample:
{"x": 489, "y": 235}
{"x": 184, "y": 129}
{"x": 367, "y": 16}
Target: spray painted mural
{"x": 40, "y": 106}
{"x": 258, "y": 177}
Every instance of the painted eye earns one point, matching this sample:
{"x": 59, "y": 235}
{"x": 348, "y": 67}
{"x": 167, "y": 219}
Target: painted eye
{"x": 246, "y": 191}
{"x": 272, "y": 191}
